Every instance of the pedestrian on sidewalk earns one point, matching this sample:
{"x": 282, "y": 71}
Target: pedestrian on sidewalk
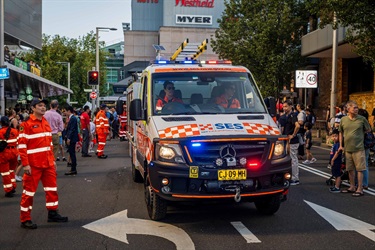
{"x": 290, "y": 126}
{"x": 308, "y": 144}
{"x": 8, "y": 157}
{"x": 35, "y": 147}
{"x": 85, "y": 129}
{"x": 71, "y": 139}
{"x": 352, "y": 130}
{"x": 335, "y": 159}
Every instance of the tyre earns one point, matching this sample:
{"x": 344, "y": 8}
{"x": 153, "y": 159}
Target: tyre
{"x": 156, "y": 206}
{"x": 268, "y": 205}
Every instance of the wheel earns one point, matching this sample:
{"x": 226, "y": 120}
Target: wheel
{"x": 156, "y": 206}
{"x": 268, "y": 205}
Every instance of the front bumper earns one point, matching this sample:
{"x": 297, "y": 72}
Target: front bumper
{"x": 268, "y": 179}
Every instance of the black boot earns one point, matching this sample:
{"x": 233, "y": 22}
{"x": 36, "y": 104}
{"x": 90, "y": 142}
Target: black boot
{"x": 54, "y": 216}
{"x": 28, "y": 225}
{"x": 9, "y": 194}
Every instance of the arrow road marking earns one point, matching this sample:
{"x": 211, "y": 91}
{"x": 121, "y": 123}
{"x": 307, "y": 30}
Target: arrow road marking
{"x": 118, "y": 226}
{"x": 249, "y": 236}
{"x": 343, "y": 222}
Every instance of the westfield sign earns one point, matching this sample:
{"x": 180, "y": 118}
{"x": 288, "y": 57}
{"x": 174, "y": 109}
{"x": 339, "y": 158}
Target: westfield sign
{"x": 196, "y": 3}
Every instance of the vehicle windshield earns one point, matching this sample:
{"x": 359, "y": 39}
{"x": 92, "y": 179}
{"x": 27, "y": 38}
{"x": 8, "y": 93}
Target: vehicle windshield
{"x": 205, "y": 93}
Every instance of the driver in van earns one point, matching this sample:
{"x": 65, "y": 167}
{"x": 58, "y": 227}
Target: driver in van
{"x": 169, "y": 96}
{"x": 227, "y": 99}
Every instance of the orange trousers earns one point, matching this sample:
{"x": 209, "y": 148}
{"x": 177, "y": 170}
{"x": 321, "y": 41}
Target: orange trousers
{"x": 8, "y": 164}
{"x": 30, "y": 184}
{"x": 102, "y": 139}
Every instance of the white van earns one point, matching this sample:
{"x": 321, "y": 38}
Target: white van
{"x": 214, "y": 140}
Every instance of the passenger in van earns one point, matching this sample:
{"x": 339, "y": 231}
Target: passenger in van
{"x": 169, "y": 96}
{"x": 227, "y": 99}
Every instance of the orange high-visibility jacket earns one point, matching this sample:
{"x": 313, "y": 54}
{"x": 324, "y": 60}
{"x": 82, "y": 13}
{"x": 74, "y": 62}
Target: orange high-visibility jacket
{"x": 123, "y": 118}
{"x": 35, "y": 143}
{"x": 101, "y": 122}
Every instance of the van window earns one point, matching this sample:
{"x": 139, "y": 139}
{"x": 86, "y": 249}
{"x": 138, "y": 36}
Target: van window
{"x": 205, "y": 93}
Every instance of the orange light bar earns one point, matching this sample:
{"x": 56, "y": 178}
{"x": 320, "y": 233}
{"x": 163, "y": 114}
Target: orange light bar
{"x": 283, "y": 139}
{"x": 225, "y": 195}
{"x": 188, "y": 154}
{"x": 272, "y": 147}
{"x": 168, "y": 142}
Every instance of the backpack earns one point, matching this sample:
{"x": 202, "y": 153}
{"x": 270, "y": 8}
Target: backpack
{"x": 369, "y": 140}
{"x": 4, "y": 143}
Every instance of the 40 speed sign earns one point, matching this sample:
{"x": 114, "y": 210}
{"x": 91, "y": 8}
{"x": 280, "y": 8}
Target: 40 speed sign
{"x": 306, "y": 79}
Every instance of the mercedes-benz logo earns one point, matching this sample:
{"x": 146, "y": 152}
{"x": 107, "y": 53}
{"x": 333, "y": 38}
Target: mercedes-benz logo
{"x": 227, "y": 151}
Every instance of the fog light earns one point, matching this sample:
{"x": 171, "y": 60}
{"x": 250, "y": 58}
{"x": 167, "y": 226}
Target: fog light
{"x": 166, "y": 189}
{"x": 287, "y": 176}
{"x": 165, "y": 181}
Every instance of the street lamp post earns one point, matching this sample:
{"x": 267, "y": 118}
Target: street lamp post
{"x": 97, "y": 59}
{"x": 67, "y": 63}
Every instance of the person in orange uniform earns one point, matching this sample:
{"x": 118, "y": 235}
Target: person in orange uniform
{"x": 36, "y": 151}
{"x": 102, "y": 131}
{"x": 227, "y": 100}
{"x": 8, "y": 157}
{"x": 123, "y": 122}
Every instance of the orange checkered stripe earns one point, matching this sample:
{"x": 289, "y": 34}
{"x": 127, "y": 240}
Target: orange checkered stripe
{"x": 180, "y": 131}
{"x": 260, "y": 129}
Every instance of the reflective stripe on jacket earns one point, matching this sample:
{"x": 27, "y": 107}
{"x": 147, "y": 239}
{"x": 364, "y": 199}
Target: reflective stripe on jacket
{"x": 101, "y": 122}
{"x": 35, "y": 143}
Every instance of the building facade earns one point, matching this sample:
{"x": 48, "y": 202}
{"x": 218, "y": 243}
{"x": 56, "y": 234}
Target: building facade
{"x": 168, "y": 23}
{"x": 355, "y": 78}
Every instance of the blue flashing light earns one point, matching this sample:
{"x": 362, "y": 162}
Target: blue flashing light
{"x": 187, "y": 62}
{"x": 161, "y": 62}
{"x": 196, "y": 144}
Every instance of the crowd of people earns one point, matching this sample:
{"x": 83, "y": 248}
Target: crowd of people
{"x": 33, "y": 141}
{"x": 348, "y": 129}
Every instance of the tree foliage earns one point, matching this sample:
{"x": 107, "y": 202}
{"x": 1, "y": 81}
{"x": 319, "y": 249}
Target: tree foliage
{"x": 81, "y": 55}
{"x": 264, "y": 36}
{"x": 357, "y": 15}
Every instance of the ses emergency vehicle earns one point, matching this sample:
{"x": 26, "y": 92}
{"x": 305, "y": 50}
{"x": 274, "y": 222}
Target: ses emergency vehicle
{"x": 199, "y": 150}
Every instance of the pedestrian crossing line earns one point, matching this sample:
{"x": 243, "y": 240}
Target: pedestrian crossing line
{"x": 325, "y": 175}
{"x": 249, "y": 236}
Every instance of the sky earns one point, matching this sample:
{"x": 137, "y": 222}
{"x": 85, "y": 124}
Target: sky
{"x": 76, "y": 18}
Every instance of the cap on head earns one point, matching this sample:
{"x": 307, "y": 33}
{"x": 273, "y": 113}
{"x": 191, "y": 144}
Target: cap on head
{"x": 103, "y": 106}
{"x": 36, "y": 101}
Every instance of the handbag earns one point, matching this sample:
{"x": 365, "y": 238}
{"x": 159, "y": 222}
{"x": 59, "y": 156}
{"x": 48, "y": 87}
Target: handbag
{"x": 4, "y": 143}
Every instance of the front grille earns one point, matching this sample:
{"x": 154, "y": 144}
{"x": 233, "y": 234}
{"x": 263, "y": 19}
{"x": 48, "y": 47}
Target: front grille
{"x": 208, "y": 152}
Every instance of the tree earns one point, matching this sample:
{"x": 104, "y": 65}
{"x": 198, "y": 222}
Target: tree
{"x": 81, "y": 55}
{"x": 357, "y": 15}
{"x": 264, "y": 36}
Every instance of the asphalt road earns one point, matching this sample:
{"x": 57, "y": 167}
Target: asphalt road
{"x": 106, "y": 210}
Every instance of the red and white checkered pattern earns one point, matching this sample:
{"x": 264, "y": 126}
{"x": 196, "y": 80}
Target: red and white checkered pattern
{"x": 179, "y": 131}
{"x": 204, "y": 127}
{"x": 260, "y": 129}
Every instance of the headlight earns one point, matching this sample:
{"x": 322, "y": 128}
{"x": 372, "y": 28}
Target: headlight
{"x": 279, "y": 150}
{"x": 169, "y": 153}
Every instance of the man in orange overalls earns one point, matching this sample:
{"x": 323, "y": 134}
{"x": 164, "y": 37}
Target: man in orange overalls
{"x": 8, "y": 157}
{"x": 102, "y": 130}
{"x": 123, "y": 122}
{"x": 38, "y": 161}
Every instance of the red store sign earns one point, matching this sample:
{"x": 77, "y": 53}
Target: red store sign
{"x": 196, "y": 3}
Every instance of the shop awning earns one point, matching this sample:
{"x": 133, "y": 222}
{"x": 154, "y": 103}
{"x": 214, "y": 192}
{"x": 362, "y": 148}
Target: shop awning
{"x": 24, "y": 84}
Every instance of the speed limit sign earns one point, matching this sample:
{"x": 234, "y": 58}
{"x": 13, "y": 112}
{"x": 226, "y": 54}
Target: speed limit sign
{"x": 306, "y": 79}
{"x": 93, "y": 95}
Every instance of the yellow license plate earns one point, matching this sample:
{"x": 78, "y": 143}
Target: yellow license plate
{"x": 231, "y": 174}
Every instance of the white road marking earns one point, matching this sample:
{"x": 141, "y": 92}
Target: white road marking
{"x": 249, "y": 236}
{"x": 343, "y": 222}
{"x": 118, "y": 226}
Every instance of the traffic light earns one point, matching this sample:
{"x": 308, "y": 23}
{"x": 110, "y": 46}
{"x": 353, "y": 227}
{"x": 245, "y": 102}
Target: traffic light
{"x": 93, "y": 77}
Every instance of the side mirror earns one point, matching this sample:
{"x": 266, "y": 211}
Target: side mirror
{"x": 136, "y": 112}
{"x": 271, "y": 105}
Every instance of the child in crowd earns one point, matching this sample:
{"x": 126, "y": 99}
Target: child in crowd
{"x": 308, "y": 144}
{"x": 336, "y": 160}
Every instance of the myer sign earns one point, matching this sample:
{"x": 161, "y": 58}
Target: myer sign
{"x": 193, "y": 19}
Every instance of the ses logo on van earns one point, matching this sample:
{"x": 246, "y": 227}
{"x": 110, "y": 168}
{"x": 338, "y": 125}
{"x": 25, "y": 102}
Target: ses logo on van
{"x": 229, "y": 126}
{"x": 193, "y": 19}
